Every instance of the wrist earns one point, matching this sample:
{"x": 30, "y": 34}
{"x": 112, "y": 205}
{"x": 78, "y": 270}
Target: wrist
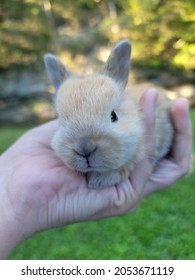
{"x": 9, "y": 228}
{"x": 9, "y": 238}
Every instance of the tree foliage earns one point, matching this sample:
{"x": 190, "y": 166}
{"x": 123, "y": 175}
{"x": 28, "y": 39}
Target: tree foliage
{"x": 162, "y": 31}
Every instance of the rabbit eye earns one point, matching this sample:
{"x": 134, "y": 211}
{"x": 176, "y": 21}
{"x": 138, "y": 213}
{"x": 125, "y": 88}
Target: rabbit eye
{"x": 114, "y": 117}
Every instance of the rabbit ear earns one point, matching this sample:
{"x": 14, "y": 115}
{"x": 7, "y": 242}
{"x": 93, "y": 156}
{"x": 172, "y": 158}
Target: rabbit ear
{"x": 56, "y": 70}
{"x": 118, "y": 64}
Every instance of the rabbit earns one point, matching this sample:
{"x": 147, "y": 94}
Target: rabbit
{"x": 101, "y": 131}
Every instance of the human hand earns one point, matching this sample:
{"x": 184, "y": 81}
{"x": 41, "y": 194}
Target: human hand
{"x": 39, "y": 192}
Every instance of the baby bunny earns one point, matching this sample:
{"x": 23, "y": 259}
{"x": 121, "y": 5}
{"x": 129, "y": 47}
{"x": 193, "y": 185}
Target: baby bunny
{"x": 101, "y": 131}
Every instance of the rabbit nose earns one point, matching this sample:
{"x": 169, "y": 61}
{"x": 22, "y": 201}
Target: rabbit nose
{"x": 85, "y": 149}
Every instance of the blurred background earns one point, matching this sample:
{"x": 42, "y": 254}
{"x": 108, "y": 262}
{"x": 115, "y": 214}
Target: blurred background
{"x": 81, "y": 33}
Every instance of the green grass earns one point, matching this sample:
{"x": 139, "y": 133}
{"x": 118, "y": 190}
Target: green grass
{"x": 163, "y": 227}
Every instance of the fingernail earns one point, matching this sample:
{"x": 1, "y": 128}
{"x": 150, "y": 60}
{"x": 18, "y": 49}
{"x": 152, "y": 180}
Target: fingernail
{"x": 184, "y": 102}
{"x": 149, "y": 97}
{"x": 152, "y": 95}
{"x": 152, "y": 92}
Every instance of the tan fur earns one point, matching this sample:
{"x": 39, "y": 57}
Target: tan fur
{"x": 84, "y": 107}
{"x": 87, "y": 139}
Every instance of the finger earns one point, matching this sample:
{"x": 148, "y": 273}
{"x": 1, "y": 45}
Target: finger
{"x": 168, "y": 171}
{"x": 182, "y": 146}
{"x": 143, "y": 169}
{"x": 148, "y": 108}
{"x": 165, "y": 174}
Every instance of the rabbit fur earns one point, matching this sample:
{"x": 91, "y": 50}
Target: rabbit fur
{"x": 101, "y": 131}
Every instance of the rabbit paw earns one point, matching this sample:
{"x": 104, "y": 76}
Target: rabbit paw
{"x": 102, "y": 180}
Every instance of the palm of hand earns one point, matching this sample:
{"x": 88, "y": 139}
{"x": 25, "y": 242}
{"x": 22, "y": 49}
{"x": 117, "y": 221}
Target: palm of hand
{"x": 52, "y": 195}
